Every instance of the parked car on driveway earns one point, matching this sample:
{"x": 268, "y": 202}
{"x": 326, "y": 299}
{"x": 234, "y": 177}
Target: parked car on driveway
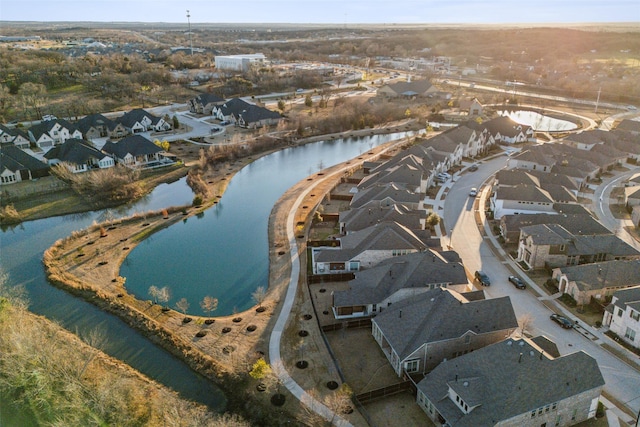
{"x": 517, "y": 282}
{"x": 562, "y": 321}
{"x": 482, "y": 277}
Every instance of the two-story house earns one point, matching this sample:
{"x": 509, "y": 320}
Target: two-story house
{"x": 512, "y": 383}
{"x": 622, "y": 316}
{"x": 417, "y": 334}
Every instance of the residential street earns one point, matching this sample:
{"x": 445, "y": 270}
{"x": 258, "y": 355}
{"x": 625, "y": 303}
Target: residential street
{"x": 622, "y": 381}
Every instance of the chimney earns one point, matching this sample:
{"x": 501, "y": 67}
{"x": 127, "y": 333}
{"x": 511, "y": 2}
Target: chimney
{"x": 400, "y": 314}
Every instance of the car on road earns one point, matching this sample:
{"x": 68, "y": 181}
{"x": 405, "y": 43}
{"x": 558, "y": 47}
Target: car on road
{"x": 517, "y": 282}
{"x": 473, "y": 167}
{"x": 562, "y": 321}
{"x": 482, "y": 277}
{"x": 631, "y": 107}
{"x": 443, "y": 176}
{"x": 225, "y": 122}
{"x": 473, "y": 192}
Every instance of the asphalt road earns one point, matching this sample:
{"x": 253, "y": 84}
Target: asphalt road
{"x": 622, "y": 381}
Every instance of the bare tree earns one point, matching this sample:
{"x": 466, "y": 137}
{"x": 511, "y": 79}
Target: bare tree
{"x": 154, "y": 292}
{"x": 259, "y": 295}
{"x": 209, "y": 304}
{"x": 524, "y": 322}
{"x": 182, "y": 305}
{"x": 164, "y": 295}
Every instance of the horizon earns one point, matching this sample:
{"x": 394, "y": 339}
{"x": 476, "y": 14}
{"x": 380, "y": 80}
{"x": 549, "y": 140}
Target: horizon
{"x": 324, "y": 12}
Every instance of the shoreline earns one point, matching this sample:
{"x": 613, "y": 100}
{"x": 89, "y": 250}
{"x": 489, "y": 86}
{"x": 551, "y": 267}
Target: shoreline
{"x": 230, "y": 344}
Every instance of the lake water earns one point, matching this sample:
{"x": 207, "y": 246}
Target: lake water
{"x": 224, "y": 253}
{"x": 539, "y": 122}
{"x": 226, "y": 258}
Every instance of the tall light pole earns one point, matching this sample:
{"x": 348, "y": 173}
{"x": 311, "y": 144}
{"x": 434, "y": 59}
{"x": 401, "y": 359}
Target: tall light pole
{"x": 189, "y": 22}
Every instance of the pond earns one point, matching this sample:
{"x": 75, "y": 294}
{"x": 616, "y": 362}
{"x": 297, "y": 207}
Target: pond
{"x": 224, "y": 252}
{"x": 200, "y": 245}
{"x": 539, "y": 122}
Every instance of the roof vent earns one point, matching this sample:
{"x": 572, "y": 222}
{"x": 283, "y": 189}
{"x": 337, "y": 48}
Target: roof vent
{"x": 521, "y": 343}
{"x": 466, "y": 383}
{"x": 509, "y": 343}
{"x": 531, "y": 353}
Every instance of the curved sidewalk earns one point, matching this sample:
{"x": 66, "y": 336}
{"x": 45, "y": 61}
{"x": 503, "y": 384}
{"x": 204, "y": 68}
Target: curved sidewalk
{"x": 275, "y": 357}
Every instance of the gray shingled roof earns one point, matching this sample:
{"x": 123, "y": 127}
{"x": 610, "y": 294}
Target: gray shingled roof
{"x": 373, "y": 213}
{"x": 136, "y": 145}
{"x": 505, "y": 126}
{"x": 406, "y": 174}
{"x": 417, "y": 270}
{"x": 93, "y": 121}
{"x": 441, "y": 314}
{"x": 393, "y": 192}
{"x": 415, "y": 87}
{"x": 14, "y": 159}
{"x": 602, "y": 275}
{"x": 254, "y": 114}
{"x": 627, "y": 297}
{"x": 629, "y": 125}
{"x": 523, "y": 192}
{"x": 507, "y": 379}
{"x": 76, "y": 151}
{"x": 385, "y": 236}
{"x": 573, "y": 223}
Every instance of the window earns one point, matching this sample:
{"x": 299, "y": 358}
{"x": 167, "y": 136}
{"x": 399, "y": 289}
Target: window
{"x": 412, "y": 365}
{"x": 467, "y": 339}
{"x": 620, "y": 312}
{"x": 634, "y": 315}
{"x": 630, "y": 334}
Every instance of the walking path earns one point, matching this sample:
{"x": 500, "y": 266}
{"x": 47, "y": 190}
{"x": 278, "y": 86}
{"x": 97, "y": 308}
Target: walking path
{"x": 275, "y": 357}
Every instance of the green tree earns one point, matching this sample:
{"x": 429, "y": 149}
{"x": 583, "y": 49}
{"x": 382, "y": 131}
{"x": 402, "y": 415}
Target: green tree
{"x": 308, "y": 101}
{"x": 281, "y": 105}
{"x": 433, "y": 219}
{"x": 176, "y": 122}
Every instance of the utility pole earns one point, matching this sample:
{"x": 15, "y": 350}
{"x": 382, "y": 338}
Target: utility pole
{"x": 190, "y": 41}
{"x": 598, "y": 99}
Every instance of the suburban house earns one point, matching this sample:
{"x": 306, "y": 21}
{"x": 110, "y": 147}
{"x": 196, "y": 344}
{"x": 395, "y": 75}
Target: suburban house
{"x": 519, "y": 199}
{"x": 548, "y": 181}
{"x": 48, "y": 133}
{"x": 387, "y": 195}
{"x": 367, "y": 247}
{"x": 597, "y": 280}
{"x": 442, "y": 144}
{"x": 407, "y": 171}
{"x": 137, "y": 151}
{"x": 79, "y": 156}
{"x": 622, "y": 316}
{"x": 504, "y": 130}
{"x": 632, "y": 126}
{"x": 139, "y": 120}
{"x": 14, "y": 136}
{"x": 531, "y": 159}
{"x": 551, "y": 245}
{"x": 574, "y": 223}
{"x": 627, "y": 142}
{"x": 17, "y": 165}
{"x": 632, "y": 196}
{"x": 474, "y": 138}
{"x": 205, "y": 103}
{"x": 253, "y": 117}
{"x": 94, "y": 126}
{"x": 413, "y": 89}
{"x": 398, "y": 278}
{"x": 512, "y": 383}
{"x": 417, "y": 334}
{"x": 230, "y": 110}
{"x": 373, "y": 213}
{"x": 472, "y": 107}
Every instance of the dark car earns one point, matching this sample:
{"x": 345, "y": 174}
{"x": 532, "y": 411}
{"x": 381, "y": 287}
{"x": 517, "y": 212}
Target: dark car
{"x": 482, "y": 278}
{"x": 517, "y": 282}
{"x": 473, "y": 167}
{"x": 562, "y": 321}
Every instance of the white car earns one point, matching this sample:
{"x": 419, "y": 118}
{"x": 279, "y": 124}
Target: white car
{"x": 473, "y": 192}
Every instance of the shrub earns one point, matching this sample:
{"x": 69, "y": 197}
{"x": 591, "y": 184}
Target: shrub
{"x": 197, "y": 200}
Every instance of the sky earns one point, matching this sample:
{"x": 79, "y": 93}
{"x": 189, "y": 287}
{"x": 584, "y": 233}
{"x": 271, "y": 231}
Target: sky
{"x": 324, "y": 11}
